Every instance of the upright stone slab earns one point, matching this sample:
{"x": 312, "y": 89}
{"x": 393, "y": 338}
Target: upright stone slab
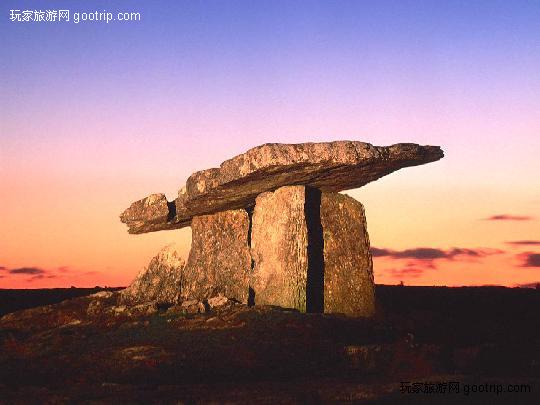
{"x": 311, "y": 252}
{"x": 279, "y": 240}
{"x": 219, "y": 261}
{"x": 348, "y": 269}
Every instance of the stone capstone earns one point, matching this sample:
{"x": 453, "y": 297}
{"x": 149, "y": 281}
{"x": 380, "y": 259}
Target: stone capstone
{"x": 327, "y": 166}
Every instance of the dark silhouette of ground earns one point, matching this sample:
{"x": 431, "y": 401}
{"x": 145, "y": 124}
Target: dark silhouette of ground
{"x": 16, "y": 299}
{"x": 93, "y": 349}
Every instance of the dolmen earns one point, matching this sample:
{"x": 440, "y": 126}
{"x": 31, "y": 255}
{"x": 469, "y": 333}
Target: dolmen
{"x": 269, "y": 227}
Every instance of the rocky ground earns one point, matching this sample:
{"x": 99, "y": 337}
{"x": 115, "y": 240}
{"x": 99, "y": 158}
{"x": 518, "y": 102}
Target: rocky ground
{"x": 93, "y": 349}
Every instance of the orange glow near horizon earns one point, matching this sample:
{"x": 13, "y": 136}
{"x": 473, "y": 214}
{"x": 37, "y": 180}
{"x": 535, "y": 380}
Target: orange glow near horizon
{"x": 94, "y": 117}
{"x": 71, "y": 236}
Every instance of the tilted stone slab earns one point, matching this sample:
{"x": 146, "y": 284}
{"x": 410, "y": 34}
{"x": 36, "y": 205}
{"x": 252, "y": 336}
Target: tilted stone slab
{"x": 328, "y": 166}
{"x": 348, "y": 268}
{"x": 160, "y": 281}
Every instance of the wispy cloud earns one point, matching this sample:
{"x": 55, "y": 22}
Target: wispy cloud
{"x": 412, "y": 263}
{"x": 529, "y": 259}
{"x": 426, "y": 253}
{"x": 509, "y": 217}
{"x": 27, "y": 270}
{"x": 524, "y": 242}
{"x": 64, "y": 269}
{"x": 34, "y": 273}
{"x": 377, "y": 252}
{"x": 407, "y": 272}
{"x": 40, "y": 277}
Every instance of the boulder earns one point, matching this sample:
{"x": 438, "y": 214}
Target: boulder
{"x": 160, "y": 281}
{"x": 219, "y": 301}
{"x": 328, "y": 166}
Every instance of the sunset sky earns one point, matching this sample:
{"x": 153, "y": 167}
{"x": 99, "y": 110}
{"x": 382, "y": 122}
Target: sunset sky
{"x": 96, "y": 115}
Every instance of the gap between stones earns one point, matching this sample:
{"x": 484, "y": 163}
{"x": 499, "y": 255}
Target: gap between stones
{"x": 251, "y": 291}
{"x": 315, "y": 252}
{"x": 171, "y": 206}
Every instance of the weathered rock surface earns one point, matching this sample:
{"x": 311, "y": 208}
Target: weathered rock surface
{"x": 219, "y": 261}
{"x": 279, "y": 248}
{"x": 187, "y": 307}
{"x": 303, "y": 249}
{"x": 150, "y": 212}
{"x": 329, "y": 166}
{"x": 161, "y": 281}
{"x": 311, "y": 252}
{"x": 348, "y": 270}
